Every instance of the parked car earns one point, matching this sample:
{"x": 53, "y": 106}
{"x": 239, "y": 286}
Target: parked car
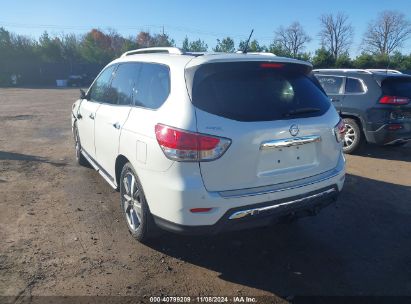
{"x": 375, "y": 105}
{"x": 78, "y": 80}
{"x": 203, "y": 143}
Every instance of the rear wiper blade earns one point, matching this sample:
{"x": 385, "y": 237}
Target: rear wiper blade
{"x": 302, "y": 111}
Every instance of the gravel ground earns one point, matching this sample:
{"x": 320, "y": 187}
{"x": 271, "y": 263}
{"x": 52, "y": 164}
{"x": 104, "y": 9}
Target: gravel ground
{"x": 62, "y": 232}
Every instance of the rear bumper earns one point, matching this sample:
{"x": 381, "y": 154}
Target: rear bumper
{"x": 259, "y": 215}
{"x": 384, "y": 136}
{"x": 180, "y": 189}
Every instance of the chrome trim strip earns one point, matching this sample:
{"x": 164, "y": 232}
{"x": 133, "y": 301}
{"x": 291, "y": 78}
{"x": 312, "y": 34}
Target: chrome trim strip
{"x": 255, "y": 211}
{"x": 289, "y": 142}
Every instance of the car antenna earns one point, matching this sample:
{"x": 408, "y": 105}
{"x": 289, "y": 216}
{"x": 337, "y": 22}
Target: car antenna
{"x": 248, "y": 42}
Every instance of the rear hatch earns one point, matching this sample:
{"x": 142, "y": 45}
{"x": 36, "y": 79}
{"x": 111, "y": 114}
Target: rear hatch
{"x": 261, "y": 105}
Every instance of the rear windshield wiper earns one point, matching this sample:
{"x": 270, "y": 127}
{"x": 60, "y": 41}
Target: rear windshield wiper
{"x": 301, "y": 111}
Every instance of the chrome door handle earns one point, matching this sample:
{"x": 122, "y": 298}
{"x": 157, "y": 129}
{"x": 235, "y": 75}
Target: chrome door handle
{"x": 289, "y": 142}
{"x": 116, "y": 125}
{"x": 91, "y": 116}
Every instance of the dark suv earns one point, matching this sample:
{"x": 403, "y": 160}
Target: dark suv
{"x": 375, "y": 104}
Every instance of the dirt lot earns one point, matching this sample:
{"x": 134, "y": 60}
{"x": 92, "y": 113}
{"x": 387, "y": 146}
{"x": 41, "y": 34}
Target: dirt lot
{"x": 62, "y": 233}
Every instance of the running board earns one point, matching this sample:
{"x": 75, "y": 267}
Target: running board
{"x": 99, "y": 169}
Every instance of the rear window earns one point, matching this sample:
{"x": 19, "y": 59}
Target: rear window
{"x": 256, "y": 91}
{"x": 397, "y": 87}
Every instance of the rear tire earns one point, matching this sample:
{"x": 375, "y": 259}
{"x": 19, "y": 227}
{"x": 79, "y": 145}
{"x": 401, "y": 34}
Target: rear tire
{"x": 353, "y": 138}
{"x": 80, "y": 159}
{"x": 134, "y": 205}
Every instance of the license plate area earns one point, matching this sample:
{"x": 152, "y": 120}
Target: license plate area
{"x": 277, "y": 160}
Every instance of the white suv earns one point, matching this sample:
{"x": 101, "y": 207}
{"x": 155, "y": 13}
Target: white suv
{"x": 201, "y": 143}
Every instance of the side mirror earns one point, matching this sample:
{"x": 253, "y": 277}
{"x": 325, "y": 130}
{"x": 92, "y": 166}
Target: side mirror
{"x": 83, "y": 94}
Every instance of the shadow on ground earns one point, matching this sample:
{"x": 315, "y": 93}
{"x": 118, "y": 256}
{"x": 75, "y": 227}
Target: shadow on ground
{"x": 358, "y": 246}
{"x": 402, "y": 153}
{"x": 31, "y": 158}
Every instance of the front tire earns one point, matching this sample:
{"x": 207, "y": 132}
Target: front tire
{"x": 134, "y": 205}
{"x": 353, "y": 138}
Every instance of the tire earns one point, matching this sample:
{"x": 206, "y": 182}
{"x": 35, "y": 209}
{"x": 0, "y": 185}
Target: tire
{"x": 80, "y": 159}
{"x": 134, "y": 206}
{"x": 353, "y": 138}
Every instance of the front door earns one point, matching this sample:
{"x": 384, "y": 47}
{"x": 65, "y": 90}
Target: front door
{"x": 334, "y": 87}
{"x": 112, "y": 115}
{"x": 88, "y": 110}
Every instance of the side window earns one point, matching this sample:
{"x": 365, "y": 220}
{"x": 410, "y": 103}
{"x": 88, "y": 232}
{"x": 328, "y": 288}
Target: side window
{"x": 354, "y": 85}
{"x": 331, "y": 84}
{"x": 101, "y": 86}
{"x": 153, "y": 86}
{"x": 121, "y": 90}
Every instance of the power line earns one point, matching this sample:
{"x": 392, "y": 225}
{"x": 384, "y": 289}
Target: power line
{"x": 121, "y": 27}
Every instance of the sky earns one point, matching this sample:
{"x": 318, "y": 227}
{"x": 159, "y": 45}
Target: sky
{"x": 207, "y": 20}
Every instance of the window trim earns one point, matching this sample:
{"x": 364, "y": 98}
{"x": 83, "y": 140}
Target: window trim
{"x": 364, "y": 86}
{"x": 101, "y": 72}
{"x": 169, "y": 83}
{"x": 132, "y": 95}
{"x": 342, "y": 89}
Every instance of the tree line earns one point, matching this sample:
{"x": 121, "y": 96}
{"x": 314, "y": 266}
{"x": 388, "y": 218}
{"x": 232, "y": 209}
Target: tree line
{"x": 380, "y": 45}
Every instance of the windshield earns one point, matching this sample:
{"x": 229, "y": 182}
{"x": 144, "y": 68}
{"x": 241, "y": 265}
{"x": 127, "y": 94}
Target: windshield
{"x": 256, "y": 91}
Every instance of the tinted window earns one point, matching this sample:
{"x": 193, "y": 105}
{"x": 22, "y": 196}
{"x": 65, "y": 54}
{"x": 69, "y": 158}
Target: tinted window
{"x": 331, "y": 84}
{"x": 153, "y": 86}
{"x": 252, "y": 92}
{"x": 99, "y": 90}
{"x": 122, "y": 85}
{"x": 397, "y": 87}
{"x": 353, "y": 85}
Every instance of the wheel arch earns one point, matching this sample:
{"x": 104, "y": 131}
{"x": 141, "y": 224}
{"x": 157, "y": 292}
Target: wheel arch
{"x": 357, "y": 119}
{"x": 121, "y": 160}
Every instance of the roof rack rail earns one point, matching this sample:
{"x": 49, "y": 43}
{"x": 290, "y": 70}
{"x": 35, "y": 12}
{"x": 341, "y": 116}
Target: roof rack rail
{"x": 343, "y": 70}
{"x": 151, "y": 50}
{"x": 388, "y": 71}
{"x": 255, "y": 53}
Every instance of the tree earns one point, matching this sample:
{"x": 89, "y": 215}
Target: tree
{"x": 253, "y": 46}
{"x": 226, "y": 45}
{"x": 344, "y": 61}
{"x": 278, "y": 50}
{"x": 96, "y": 47}
{"x": 336, "y": 33}
{"x": 323, "y": 59}
{"x": 144, "y": 39}
{"x": 162, "y": 40}
{"x": 386, "y": 34}
{"x": 50, "y": 48}
{"x": 292, "y": 38}
{"x": 194, "y": 46}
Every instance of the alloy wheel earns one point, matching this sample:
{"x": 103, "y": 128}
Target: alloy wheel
{"x": 131, "y": 199}
{"x": 350, "y": 136}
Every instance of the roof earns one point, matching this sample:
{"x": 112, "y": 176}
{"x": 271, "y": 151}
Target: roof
{"x": 173, "y": 56}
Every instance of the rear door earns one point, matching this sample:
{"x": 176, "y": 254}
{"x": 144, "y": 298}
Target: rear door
{"x": 112, "y": 115}
{"x": 260, "y": 107}
{"x": 89, "y": 109}
{"x": 334, "y": 87}
{"x": 355, "y": 98}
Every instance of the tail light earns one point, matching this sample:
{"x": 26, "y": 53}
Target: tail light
{"x": 183, "y": 145}
{"x": 394, "y": 100}
{"x": 394, "y": 127}
{"x": 339, "y": 131}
